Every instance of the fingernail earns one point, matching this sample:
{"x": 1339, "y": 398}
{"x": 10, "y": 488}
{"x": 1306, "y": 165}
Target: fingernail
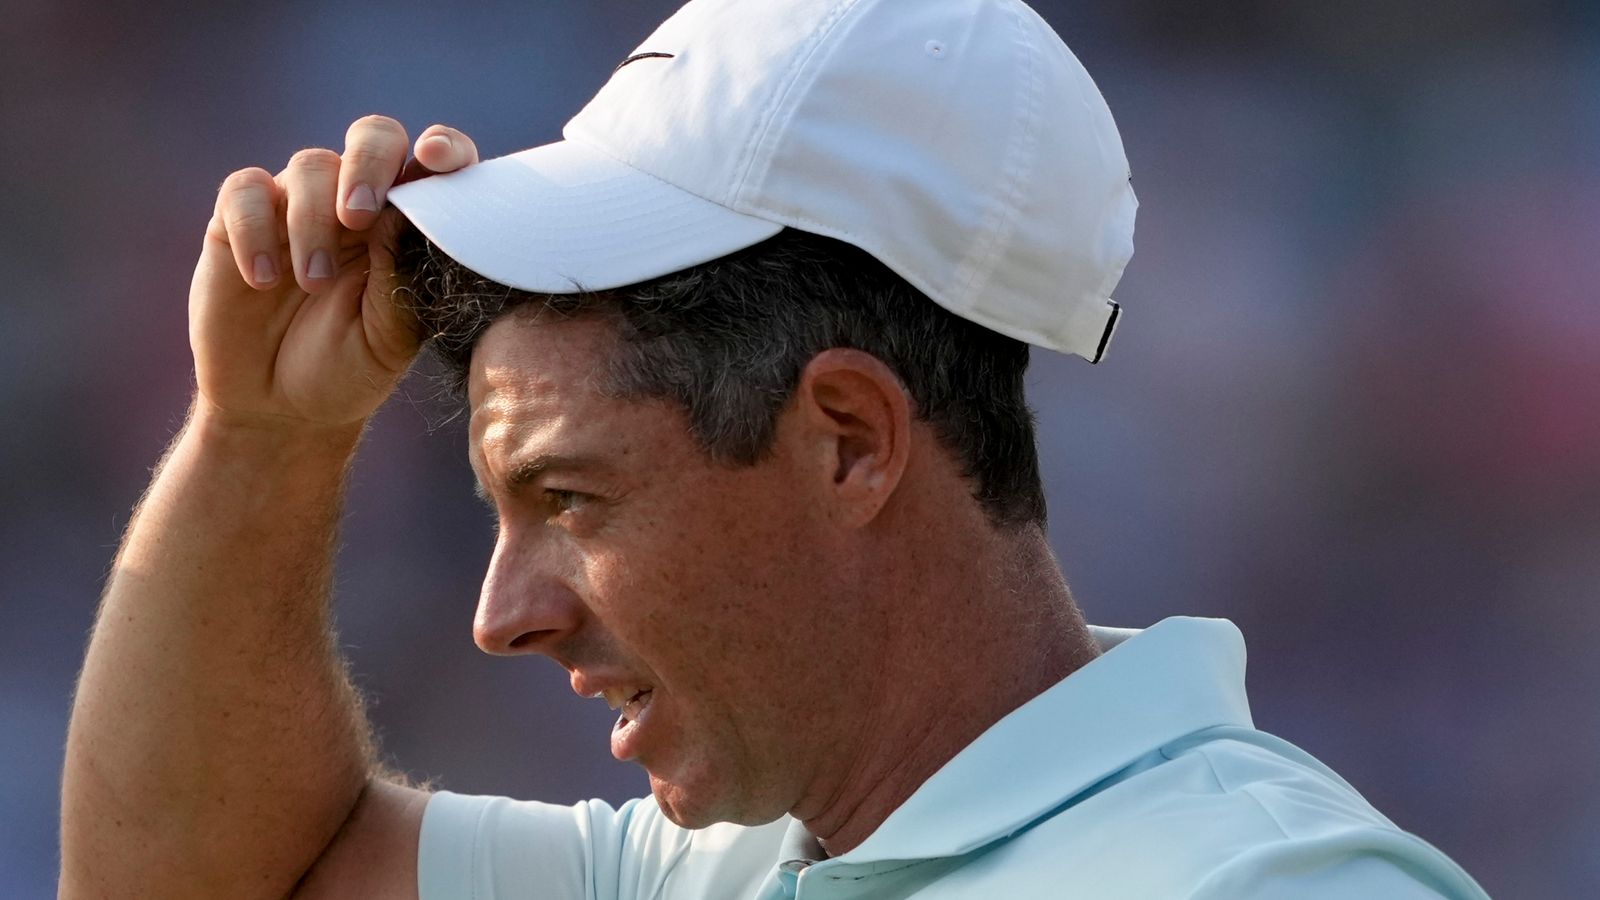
{"x": 362, "y": 198}
{"x": 442, "y": 141}
{"x": 266, "y": 269}
{"x": 321, "y": 265}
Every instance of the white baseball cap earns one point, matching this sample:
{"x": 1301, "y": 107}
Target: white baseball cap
{"x": 957, "y": 141}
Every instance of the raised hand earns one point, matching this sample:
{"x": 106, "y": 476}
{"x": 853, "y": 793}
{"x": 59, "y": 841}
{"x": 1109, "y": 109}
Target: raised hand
{"x": 290, "y": 317}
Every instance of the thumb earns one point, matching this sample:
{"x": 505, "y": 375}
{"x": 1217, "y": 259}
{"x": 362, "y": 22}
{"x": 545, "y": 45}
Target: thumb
{"x": 388, "y": 307}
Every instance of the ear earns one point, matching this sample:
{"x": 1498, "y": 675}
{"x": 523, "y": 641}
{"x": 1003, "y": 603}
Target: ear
{"x": 856, "y": 416}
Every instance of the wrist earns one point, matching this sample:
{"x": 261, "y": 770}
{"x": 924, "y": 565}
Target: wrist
{"x": 268, "y": 437}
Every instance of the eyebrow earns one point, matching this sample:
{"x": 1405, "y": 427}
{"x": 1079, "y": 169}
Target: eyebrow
{"x": 529, "y": 471}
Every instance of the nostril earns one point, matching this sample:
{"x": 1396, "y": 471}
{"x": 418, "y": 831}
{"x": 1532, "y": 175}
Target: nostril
{"x": 503, "y": 644}
{"x": 524, "y": 641}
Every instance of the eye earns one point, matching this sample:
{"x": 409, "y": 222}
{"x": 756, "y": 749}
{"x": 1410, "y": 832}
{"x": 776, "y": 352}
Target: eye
{"x": 559, "y": 501}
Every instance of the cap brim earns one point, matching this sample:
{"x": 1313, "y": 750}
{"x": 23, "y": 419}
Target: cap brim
{"x": 564, "y": 218}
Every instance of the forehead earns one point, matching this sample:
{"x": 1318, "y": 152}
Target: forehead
{"x": 531, "y": 379}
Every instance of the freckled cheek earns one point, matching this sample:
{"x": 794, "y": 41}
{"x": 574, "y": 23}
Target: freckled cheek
{"x": 648, "y": 562}
{"x": 684, "y": 620}
{"x": 702, "y": 583}
{"x": 641, "y": 598}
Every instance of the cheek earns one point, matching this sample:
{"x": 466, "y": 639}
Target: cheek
{"x": 709, "y": 582}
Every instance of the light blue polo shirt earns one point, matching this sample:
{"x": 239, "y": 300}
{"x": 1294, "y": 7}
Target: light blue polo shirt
{"x": 1138, "y": 776}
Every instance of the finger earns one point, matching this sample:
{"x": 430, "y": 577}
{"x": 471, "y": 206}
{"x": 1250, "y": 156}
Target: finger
{"x": 310, "y": 184}
{"x": 444, "y": 149}
{"x": 374, "y": 150}
{"x": 393, "y": 331}
{"x": 246, "y": 219}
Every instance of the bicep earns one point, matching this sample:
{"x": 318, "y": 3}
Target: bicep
{"x": 374, "y": 853}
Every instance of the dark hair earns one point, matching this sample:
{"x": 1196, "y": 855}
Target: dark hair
{"x": 728, "y": 339}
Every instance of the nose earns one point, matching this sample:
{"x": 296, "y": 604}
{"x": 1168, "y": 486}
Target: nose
{"x": 525, "y": 607}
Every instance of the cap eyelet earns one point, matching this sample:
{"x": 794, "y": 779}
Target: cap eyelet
{"x": 934, "y": 49}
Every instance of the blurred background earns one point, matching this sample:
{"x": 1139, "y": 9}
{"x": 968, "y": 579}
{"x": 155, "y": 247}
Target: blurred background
{"x": 1354, "y": 404}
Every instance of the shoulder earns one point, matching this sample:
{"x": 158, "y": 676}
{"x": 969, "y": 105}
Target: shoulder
{"x": 1228, "y": 813}
{"x": 1308, "y": 831}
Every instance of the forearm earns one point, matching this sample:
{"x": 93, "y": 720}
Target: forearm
{"x": 216, "y": 744}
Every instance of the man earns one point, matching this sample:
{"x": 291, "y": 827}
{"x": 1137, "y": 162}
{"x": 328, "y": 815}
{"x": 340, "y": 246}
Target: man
{"x": 744, "y": 360}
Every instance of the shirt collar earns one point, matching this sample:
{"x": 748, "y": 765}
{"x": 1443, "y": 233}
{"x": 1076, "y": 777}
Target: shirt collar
{"x": 1146, "y": 690}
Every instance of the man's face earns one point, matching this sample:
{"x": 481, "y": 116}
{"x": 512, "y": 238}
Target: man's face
{"x": 708, "y": 599}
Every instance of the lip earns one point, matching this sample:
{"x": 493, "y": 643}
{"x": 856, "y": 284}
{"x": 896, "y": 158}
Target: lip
{"x": 628, "y": 735}
{"x": 593, "y": 683}
{"x": 630, "y": 731}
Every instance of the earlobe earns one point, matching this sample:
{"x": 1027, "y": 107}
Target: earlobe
{"x": 859, "y": 415}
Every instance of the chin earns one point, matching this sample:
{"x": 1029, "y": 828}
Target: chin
{"x": 700, "y": 805}
{"x": 680, "y": 806}
{"x": 688, "y": 805}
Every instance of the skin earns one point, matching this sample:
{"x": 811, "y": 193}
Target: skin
{"x": 216, "y": 748}
{"x": 823, "y": 630}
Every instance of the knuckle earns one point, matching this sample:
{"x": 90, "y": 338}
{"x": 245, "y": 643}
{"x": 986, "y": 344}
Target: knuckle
{"x": 249, "y": 221}
{"x": 365, "y": 157}
{"x": 315, "y": 219}
{"x": 245, "y": 179}
{"x": 315, "y": 159}
{"x": 376, "y": 124}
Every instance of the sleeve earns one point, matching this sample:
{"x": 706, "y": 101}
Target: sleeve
{"x": 495, "y": 848}
{"x": 1360, "y": 863}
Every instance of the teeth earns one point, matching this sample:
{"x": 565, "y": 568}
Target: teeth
{"x": 635, "y": 707}
{"x": 617, "y": 698}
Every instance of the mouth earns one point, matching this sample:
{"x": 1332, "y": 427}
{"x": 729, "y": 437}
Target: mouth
{"x": 634, "y": 704}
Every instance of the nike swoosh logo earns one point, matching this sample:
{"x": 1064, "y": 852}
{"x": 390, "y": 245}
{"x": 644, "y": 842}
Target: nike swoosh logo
{"x": 638, "y": 56}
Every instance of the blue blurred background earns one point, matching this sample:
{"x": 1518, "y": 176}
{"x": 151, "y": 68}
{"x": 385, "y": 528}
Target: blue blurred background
{"x": 1354, "y": 404}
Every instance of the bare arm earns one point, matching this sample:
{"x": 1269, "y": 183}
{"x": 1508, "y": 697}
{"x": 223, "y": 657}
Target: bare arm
{"x": 216, "y": 742}
{"x": 217, "y": 747}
